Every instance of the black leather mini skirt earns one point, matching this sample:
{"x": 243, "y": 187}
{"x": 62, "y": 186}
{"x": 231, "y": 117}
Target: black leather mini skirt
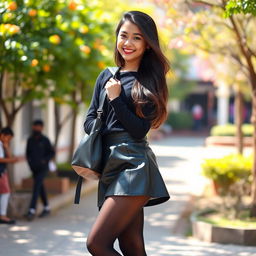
{"x": 130, "y": 169}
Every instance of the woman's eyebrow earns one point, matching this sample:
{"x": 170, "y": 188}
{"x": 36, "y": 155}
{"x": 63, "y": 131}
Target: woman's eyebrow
{"x": 133, "y": 33}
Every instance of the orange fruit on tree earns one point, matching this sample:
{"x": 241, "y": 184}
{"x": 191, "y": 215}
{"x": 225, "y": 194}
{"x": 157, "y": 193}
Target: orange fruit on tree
{"x": 13, "y": 29}
{"x": 97, "y": 43}
{"x": 72, "y": 5}
{"x": 84, "y": 29}
{"x": 32, "y": 12}
{"x": 55, "y": 39}
{"x": 34, "y": 62}
{"x": 85, "y": 49}
{"x": 46, "y": 68}
{"x": 12, "y": 6}
{"x": 101, "y": 64}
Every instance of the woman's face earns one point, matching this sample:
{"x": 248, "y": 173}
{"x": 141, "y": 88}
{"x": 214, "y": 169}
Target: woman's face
{"x": 130, "y": 43}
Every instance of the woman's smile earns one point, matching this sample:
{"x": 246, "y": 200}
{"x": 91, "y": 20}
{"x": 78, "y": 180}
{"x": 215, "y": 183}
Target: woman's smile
{"x": 128, "y": 51}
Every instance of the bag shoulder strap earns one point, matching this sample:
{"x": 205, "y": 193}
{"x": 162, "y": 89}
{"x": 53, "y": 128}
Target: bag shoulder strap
{"x": 114, "y": 71}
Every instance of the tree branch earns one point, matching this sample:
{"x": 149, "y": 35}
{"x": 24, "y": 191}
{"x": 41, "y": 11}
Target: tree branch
{"x": 245, "y": 52}
{"x": 204, "y": 3}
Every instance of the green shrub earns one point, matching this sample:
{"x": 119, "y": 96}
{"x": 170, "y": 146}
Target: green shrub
{"x": 180, "y": 120}
{"x": 230, "y": 130}
{"x": 227, "y": 170}
{"x": 64, "y": 166}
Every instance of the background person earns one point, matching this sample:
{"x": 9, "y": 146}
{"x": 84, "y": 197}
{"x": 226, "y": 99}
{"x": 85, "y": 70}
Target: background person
{"x": 39, "y": 152}
{"x": 197, "y": 113}
{"x": 6, "y": 134}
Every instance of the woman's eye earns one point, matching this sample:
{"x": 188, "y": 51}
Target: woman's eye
{"x": 137, "y": 38}
{"x": 122, "y": 36}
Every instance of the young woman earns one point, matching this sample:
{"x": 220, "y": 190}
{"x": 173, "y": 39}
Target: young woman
{"x": 136, "y": 102}
{"x": 6, "y": 135}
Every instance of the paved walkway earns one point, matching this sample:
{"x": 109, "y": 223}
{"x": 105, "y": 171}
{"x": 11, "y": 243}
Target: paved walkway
{"x": 64, "y": 233}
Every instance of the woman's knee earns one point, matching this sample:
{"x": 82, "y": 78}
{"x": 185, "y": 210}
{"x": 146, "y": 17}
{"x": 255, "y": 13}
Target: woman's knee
{"x": 91, "y": 245}
{"x": 96, "y": 246}
{"x": 132, "y": 246}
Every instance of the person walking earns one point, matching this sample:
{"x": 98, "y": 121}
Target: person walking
{"x": 197, "y": 114}
{"x": 136, "y": 101}
{"x": 6, "y": 135}
{"x": 39, "y": 152}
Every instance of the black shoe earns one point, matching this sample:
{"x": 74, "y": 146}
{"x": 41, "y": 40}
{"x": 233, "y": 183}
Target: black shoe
{"x": 30, "y": 216}
{"x": 44, "y": 213}
{"x": 9, "y": 222}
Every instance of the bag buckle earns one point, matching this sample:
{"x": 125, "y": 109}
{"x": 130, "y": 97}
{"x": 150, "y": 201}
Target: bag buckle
{"x": 99, "y": 113}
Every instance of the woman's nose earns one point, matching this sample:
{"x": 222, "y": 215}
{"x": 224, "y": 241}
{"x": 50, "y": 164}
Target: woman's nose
{"x": 127, "y": 42}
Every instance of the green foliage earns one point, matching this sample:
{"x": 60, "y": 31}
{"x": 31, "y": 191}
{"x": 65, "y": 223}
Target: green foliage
{"x": 64, "y": 166}
{"x": 54, "y": 48}
{"x": 180, "y": 120}
{"x": 230, "y": 130}
{"x": 240, "y": 6}
{"x": 227, "y": 170}
{"x": 179, "y": 86}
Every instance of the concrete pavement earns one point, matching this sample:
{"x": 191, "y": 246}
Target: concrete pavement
{"x": 64, "y": 233}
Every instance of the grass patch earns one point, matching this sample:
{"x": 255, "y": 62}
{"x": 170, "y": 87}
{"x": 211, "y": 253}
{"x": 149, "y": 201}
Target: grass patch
{"x": 217, "y": 219}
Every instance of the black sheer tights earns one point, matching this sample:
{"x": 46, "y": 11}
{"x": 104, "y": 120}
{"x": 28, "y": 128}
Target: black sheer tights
{"x": 122, "y": 218}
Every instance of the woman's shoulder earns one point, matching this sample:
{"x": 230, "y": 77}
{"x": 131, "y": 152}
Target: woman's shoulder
{"x": 104, "y": 76}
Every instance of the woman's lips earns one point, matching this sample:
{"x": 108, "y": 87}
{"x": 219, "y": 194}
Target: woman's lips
{"x": 128, "y": 51}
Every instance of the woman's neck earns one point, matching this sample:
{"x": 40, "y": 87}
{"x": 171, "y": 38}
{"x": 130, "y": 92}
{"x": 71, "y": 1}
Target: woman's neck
{"x": 130, "y": 67}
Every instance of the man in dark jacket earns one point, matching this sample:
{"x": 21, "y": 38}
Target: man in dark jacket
{"x": 39, "y": 152}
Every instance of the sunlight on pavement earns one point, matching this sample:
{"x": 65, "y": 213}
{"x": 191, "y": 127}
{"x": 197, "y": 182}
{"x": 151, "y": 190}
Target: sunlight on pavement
{"x": 78, "y": 234}
{"x": 19, "y": 228}
{"x": 61, "y": 232}
{"x": 78, "y": 239}
{"x": 22, "y": 241}
{"x": 37, "y": 252}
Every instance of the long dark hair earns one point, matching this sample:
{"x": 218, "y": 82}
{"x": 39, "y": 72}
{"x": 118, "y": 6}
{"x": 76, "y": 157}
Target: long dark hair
{"x": 151, "y": 82}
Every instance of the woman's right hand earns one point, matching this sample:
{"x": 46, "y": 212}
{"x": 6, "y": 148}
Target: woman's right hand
{"x": 113, "y": 88}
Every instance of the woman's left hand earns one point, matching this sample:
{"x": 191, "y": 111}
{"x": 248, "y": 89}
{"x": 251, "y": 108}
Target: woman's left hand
{"x": 113, "y": 88}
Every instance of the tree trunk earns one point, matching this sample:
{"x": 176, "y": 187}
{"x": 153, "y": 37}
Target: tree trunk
{"x": 239, "y": 120}
{"x": 253, "y": 121}
{"x": 73, "y": 135}
{"x": 57, "y": 125}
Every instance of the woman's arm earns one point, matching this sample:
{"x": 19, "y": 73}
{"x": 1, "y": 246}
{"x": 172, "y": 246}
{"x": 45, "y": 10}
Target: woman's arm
{"x": 135, "y": 125}
{"x": 8, "y": 160}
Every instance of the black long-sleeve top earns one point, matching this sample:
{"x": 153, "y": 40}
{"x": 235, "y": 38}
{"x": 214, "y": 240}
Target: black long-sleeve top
{"x": 119, "y": 113}
{"x": 39, "y": 151}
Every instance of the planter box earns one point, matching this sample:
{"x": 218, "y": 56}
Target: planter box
{"x": 56, "y": 185}
{"x": 226, "y": 141}
{"x": 224, "y": 235}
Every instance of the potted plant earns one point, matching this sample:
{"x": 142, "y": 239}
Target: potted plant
{"x": 227, "y": 220}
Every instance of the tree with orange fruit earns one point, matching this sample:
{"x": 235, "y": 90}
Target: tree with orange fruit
{"x": 49, "y": 43}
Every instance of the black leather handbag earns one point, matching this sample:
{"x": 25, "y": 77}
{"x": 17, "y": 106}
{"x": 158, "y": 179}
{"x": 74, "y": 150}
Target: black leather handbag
{"x": 86, "y": 160}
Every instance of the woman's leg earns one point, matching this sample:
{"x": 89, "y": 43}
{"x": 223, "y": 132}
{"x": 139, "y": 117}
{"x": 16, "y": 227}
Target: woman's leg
{"x": 4, "y": 199}
{"x": 131, "y": 240}
{"x": 115, "y": 215}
